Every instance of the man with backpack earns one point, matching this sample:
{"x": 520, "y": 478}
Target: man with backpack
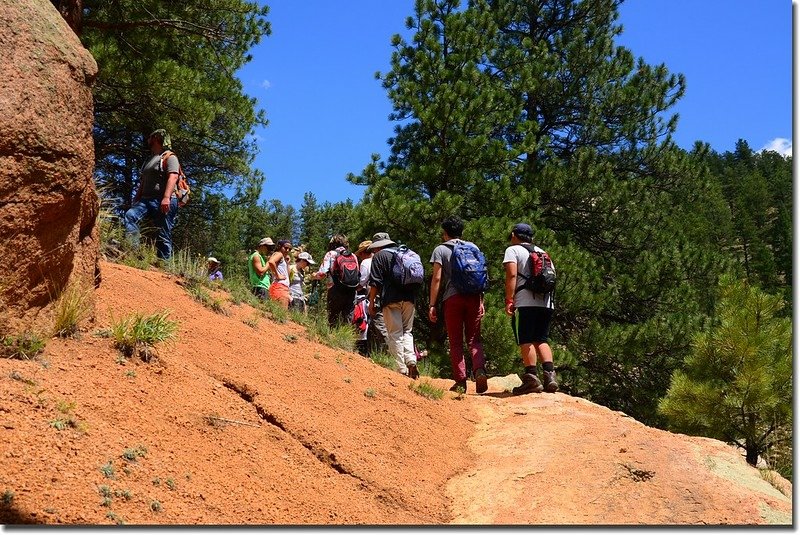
{"x": 340, "y": 267}
{"x": 529, "y": 293}
{"x": 156, "y": 195}
{"x": 396, "y": 276}
{"x": 460, "y": 277}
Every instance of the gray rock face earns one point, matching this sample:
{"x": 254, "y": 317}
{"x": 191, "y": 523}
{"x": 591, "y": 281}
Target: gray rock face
{"x": 48, "y": 202}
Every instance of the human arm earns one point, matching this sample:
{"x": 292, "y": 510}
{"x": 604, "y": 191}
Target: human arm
{"x": 436, "y": 280}
{"x": 511, "y": 286}
{"x": 272, "y": 264}
{"x": 259, "y": 266}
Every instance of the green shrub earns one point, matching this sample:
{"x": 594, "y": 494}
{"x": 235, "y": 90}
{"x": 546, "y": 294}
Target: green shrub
{"x": 383, "y": 359}
{"x": 190, "y": 267}
{"x": 426, "y": 389}
{"x": 23, "y": 347}
{"x": 139, "y": 333}
{"x": 338, "y": 337}
{"x": 201, "y": 295}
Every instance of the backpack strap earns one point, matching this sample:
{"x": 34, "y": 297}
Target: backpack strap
{"x": 530, "y": 248}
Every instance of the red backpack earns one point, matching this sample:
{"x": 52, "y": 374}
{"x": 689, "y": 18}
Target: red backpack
{"x": 345, "y": 269}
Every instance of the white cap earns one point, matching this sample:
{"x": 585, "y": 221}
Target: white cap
{"x": 307, "y": 257}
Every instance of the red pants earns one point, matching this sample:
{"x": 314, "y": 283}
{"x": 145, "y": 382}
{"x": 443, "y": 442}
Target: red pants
{"x": 461, "y": 320}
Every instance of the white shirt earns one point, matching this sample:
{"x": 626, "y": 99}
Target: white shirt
{"x": 525, "y": 298}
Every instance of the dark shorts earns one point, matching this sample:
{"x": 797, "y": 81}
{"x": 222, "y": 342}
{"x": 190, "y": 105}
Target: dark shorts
{"x": 260, "y": 292}
{"x": 531, "y": 325}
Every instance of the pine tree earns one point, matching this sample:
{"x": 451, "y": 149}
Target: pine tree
{"x": 736, "y": 384}
{"x": 527, "y": 111}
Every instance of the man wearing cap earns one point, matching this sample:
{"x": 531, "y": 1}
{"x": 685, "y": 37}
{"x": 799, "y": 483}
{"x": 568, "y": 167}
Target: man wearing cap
{"x": 155, "y": 195}
{"x": 462, "y": 311}
{"x": 297, "y": 274}
{"x": 258, "y": 269}
{"x": 530, "y": 314}
{"x": 214, "y": 273}
{"x": 397, "y": 304}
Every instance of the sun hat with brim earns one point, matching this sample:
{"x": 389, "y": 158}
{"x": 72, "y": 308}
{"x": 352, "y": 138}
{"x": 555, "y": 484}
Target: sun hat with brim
{"x": 380, "y": 240}
{"x": 212, "y": 260}
{"x": 307, "y": 257}
{"x": 266, "y": 241}
{"x": 363, "y": 246}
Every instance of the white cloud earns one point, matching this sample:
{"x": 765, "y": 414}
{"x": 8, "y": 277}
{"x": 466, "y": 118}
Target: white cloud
{"x": 266, "y": 84}
{"x": 780, "y": 145}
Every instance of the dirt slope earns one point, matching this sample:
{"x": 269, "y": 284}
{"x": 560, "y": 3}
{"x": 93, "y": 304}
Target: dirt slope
{"x": 326, "y": 437}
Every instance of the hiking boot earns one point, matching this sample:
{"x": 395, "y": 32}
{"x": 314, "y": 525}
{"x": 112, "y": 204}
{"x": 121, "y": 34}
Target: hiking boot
{"x": 481, "y": 383}
{"x": 459, "y": 386}
{"x": 550, "y": 384}
{"x": 530, "y": 383}
{"x": 413, "y": 372}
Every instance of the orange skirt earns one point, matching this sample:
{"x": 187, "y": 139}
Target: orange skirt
{"x": 279, "y": 292}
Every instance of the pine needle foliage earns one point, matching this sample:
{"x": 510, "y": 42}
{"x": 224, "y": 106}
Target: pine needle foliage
{"x": 736, "y": 384}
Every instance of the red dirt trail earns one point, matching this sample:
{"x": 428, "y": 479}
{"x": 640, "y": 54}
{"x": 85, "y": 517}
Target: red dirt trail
{"x": 240, "y": 425}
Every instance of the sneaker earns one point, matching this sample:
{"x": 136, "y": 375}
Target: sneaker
{"x": 413, "y": 372}
{"x": 550, "y": 384}
{"x": 481, "y": 383}
{"x": 459, "y": 386}
{"x": 530, "y": 383}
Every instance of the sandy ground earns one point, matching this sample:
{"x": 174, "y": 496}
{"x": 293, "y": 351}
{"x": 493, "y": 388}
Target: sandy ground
{"x": 244, "y": 421}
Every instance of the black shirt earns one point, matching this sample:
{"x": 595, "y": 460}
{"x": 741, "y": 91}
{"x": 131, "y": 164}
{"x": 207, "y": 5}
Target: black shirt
{"x": 380, "y": 276}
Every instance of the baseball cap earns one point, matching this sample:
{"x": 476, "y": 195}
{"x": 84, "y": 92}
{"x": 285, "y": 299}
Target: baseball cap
{"x": 307, "y": 257}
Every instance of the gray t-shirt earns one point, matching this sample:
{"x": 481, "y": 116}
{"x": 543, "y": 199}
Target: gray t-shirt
{"x": 154, "y": 179}
{"x": 525, "y": 298}
{"x": 443, "y": 255}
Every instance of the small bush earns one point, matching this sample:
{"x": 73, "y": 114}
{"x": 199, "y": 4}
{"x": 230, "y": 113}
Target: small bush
{"x": 202, "y": 296}
{"x": 338, "y": 337}
{"x": 8, "y": 497}
{"x": 155, "y": 506}
{"x": 426, "y": 389}
{"x": 190, "y": 267}
{"x": 292, "y": 339}
{"x": 108, "y": 470}
{"x": 369, "y": 392}
{"x": 25, "y": 346}
{"x": 132, "y": 454}
{"x": 139, "y": 333}
{"x": 274, "y": 310}
{"x": 383, "y": 359}
{"x": 72, "y": 307}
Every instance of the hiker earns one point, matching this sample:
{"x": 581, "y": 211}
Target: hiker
{"x": 155, "y": 196}
{"x": 339, "y": 267}
{"x": 297, "y": 275}
{"x": 530, "y": 313}
{"x": 259, "y": 270}
{"x": 214, "y": 273}
{"x": 396, "y": 303}
{"x": 462, "y": 301}
{"x": 361, "y": 319}
{"x": 279, "y": 269}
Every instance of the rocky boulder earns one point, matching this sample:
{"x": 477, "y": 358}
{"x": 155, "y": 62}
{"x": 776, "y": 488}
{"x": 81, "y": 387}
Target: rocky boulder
{"x": 48, "y": 201}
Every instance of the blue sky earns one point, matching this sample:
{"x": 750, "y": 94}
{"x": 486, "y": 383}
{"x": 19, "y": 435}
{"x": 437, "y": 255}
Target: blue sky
{"x": 314, "y": 76}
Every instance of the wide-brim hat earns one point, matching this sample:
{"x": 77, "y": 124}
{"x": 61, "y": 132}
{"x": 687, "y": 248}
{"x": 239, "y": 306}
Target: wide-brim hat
{"x": 379, "y": 241}
{"x": 363, "y": 246}
{"x": 212, "y": 260}
{"x": 307, "y": 257}
{"x": 266, "y": 241}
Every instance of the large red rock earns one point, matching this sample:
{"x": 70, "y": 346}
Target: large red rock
{"x": 48, "y": 201}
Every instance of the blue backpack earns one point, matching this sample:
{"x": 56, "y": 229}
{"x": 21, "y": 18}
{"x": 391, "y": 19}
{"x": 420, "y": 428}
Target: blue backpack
{"x": 407, "y": 268}
{"x": 468, "y": 273}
